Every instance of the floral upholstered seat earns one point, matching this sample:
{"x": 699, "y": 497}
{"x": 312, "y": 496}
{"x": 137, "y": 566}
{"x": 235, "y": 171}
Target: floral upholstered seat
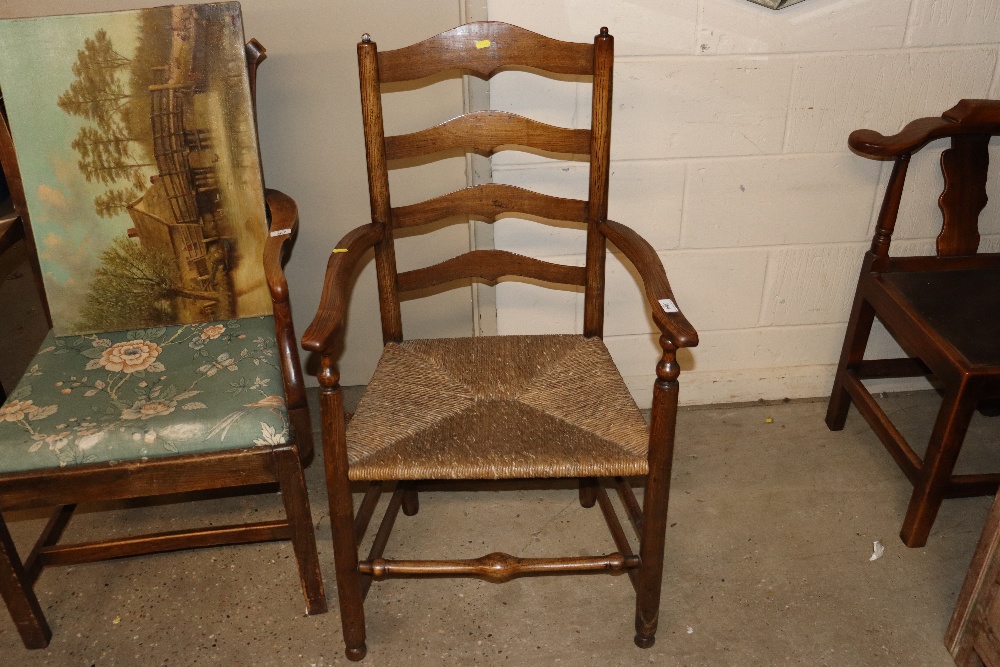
{"x": 146, "y": 393}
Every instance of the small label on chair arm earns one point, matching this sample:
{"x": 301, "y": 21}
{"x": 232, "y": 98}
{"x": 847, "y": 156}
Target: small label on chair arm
{"x": 669, "y": 306}
{"x": 281, "y": 232}
{"x": 483, "y": 44}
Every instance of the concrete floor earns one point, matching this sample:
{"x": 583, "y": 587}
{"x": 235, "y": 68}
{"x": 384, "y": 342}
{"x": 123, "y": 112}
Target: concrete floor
{"x": 767, "y": 563}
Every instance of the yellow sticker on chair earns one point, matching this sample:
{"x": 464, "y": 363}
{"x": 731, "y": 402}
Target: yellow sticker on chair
{"x": 483, "y": 44}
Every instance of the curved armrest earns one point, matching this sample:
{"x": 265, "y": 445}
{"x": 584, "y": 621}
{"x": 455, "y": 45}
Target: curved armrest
{"x": 966, "y": 117}
{"x": 283, "y": 223}
{"x": 672, "y": 324}
{"x": 333, "y": 302}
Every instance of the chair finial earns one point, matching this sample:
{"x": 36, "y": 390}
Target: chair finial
{"x": 366, "y": 38}
{"x": 604, "y": 30}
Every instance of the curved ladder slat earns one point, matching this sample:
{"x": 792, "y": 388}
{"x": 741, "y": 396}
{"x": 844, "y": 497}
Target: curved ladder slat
{"x": 488, "y": 201}
{"x": 490, "y": 265}
{"x": 483, "y": 132}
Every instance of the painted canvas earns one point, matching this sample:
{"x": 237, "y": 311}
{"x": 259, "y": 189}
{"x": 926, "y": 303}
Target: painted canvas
{"x": 135, "y": 137}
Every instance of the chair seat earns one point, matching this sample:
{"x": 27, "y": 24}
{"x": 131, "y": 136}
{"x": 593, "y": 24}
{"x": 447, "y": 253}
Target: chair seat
{"x": 496, "y": 407}
{"x": 133, "y": 395}
{"x": 962, "y": 306}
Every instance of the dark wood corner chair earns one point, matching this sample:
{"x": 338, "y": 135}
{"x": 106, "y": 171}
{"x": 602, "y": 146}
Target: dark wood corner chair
{"x": 494, "y": 407}
{"x": 943, "y": 310}
{"x": 233, "y": 466}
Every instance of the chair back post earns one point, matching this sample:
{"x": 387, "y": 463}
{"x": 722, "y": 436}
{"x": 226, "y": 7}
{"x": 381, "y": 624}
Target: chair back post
{"x": 284, "y": 329}
{"x": 889, "y": 212}
{"x": 378, "y": 189}
{"x": 600, "y": 158}
{"x": 255, "y": 54}
{"x": 964, "y": 166}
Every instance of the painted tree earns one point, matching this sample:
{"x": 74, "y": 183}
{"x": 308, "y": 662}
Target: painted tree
{"x": 135, "y": 286}
{"x": 111, "y": 151}
{"x": 115, "y": 201}
{"x": 98, "y": 92}
{"x": 106, "y": 156}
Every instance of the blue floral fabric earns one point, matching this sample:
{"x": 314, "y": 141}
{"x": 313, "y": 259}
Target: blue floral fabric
{"x": 146, "y": 393}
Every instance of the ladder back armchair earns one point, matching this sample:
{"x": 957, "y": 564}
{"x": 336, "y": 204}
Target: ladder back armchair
{"x": 494, "y": 407}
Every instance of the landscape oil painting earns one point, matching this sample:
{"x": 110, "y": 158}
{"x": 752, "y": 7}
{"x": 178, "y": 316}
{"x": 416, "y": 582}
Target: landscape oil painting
{"x": 135, "y": 137}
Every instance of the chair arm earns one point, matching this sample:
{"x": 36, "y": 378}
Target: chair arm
{"x": 668, "y": 318}
{"x": 329, "y": 319}
{"x": 284, "y": 221}
{"x": 966, "y": 117}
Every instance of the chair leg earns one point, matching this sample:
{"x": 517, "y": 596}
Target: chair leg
{"x": 345, "y": 547}
{"x": 939, "y": 461}
{"x": 859, "y": 328}
{"x": 661, "y": 452}
{"x": 588, "y": 491}
{"x": 411, "y": 501}
{"x": 15, "y": 587}
{"x": 296, "y": 500}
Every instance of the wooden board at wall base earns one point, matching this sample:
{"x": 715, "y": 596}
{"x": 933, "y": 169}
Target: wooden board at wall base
{"x": 753, "y": 384}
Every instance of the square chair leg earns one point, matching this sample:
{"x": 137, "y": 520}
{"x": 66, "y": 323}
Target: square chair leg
{"x": 15, "y": 586}
{"x": 939, "y": 461}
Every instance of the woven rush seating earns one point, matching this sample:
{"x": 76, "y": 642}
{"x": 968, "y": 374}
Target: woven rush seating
{"x": 496, "y": 408}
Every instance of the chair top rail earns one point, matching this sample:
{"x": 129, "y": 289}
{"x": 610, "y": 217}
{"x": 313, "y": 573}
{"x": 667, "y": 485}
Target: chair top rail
{"x": 965, "y": 118}
{"x": 482, "y": 49}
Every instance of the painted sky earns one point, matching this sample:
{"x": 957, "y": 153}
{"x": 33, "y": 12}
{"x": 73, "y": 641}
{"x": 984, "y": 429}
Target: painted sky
{"x": 35, "y": 68}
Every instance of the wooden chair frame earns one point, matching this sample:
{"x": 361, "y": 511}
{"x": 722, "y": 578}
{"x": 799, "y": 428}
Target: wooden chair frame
{"x": 62, "y": 488}
{"x": 483, "y": 49}
{"x": 970, "y": 125}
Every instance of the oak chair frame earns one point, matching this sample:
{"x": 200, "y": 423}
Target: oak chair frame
{"x": 486, "y": 132}
{"x": 62, "y": 488}
{"x": 969, "y": 125}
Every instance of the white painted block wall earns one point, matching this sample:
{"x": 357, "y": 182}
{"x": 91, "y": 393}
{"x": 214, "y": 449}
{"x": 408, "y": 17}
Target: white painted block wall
{"x": 729, "y": 154}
